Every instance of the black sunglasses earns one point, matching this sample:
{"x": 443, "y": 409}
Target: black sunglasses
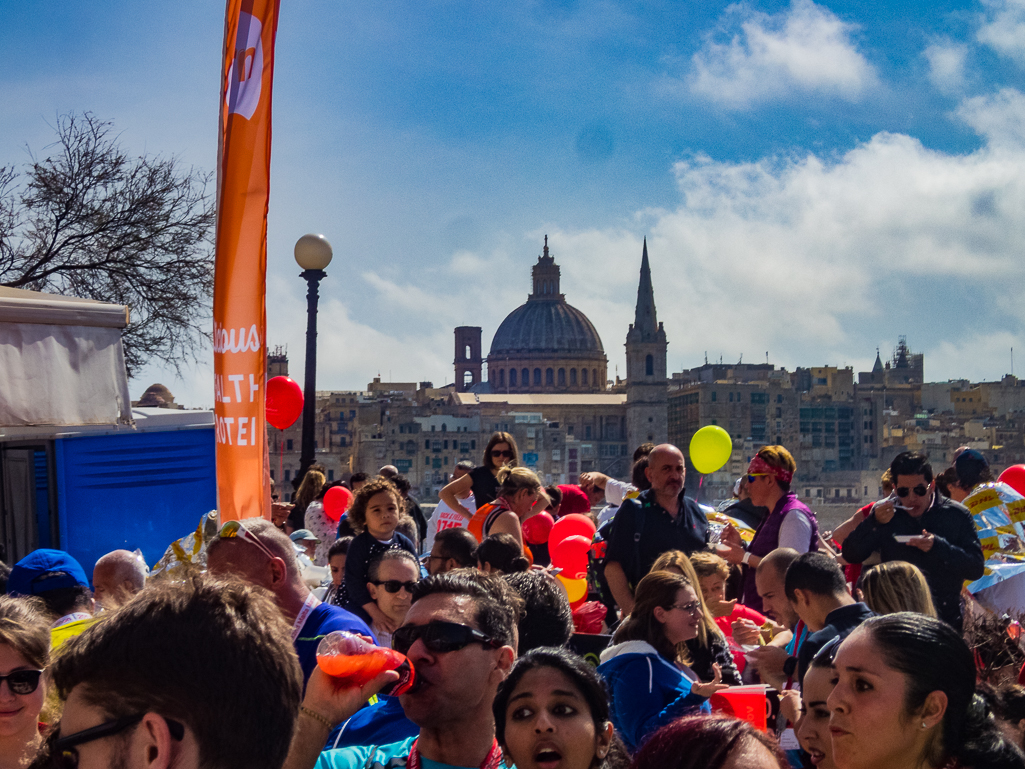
{"x": 439, "y": 637}
{"x": 394, "y": 585}
{"x": 63, "y": 752}
{"x": 920, "y": 490}
{"x": 22, "y": 681}
{"x": 507, "y": 454}
{"x": 827, "y": 654}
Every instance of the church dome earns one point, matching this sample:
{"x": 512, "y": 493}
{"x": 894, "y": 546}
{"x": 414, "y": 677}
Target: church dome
{"x": 546, "y": 326}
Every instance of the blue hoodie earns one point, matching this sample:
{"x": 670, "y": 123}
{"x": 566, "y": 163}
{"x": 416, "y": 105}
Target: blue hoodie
{"x": 647, "y": 691}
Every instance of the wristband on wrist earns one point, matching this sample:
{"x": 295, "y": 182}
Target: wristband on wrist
{"x": 747, "y": 557}
{"x": 305, "y": 711}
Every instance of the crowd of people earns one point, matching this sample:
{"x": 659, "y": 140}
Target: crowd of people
{"x": 851, "y": 643}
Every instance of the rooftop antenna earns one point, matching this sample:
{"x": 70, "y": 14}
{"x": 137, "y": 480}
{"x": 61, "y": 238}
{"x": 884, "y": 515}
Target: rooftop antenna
{"x": 741, "y": 359}
{"x": 706, "y": 357}
{"x": 1012, "y": 361}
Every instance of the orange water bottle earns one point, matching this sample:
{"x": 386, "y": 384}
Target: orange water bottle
{"x": 349, "y": 658}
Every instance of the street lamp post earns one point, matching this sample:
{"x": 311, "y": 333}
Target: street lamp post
{"x": 312, "y": 253}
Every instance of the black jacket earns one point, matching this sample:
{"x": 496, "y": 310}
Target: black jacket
{"x": 840, "y": 623}
{"x": 956, "y": 554}
{"x": 642, "y": 530}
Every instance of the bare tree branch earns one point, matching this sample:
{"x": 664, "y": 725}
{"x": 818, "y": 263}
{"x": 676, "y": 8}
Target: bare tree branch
{"x": 90, "y": 221}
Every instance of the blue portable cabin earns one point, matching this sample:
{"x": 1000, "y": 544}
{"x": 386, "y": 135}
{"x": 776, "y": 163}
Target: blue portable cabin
{"x": 89, "y": 490}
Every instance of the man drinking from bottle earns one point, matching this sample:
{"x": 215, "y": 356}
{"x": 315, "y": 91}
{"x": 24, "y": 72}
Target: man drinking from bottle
{"x": 460, "y": 636}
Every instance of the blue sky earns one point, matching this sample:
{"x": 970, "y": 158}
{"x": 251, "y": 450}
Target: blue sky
{"x": 813, "y": 178}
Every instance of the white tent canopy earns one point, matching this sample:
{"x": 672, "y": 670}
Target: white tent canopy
{"x": 61, "y": 360}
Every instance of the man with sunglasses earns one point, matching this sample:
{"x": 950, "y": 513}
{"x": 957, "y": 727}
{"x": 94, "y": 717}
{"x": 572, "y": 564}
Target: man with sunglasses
{"x": 460, "y": 636}
{"x": 262, "y": 555}
{"x": 391, "y": 579}
{"x": 197, "y": 673}
{"x": 919, "y": 525}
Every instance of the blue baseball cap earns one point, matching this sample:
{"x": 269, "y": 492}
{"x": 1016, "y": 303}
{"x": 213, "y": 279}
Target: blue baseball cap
{"x": 43, "y": 570}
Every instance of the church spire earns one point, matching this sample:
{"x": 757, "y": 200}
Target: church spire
{"x": 645, "y": 319}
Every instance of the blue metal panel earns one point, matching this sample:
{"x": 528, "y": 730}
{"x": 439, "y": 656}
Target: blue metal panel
{"x": 140, "y": 490}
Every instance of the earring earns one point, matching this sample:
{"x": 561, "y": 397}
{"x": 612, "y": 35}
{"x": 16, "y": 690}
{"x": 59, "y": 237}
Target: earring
{"x": 925, "y": 725}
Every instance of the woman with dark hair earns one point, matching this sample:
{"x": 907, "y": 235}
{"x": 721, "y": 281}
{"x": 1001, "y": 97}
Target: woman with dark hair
{"x": 552, "y": 710}
{"x": 709, "y": 647}
{"x": 500, "y": 554}
{"x": 812, "y": 728}
{"x": 710, "y": 742}
{"x": 648, "y": 667}
{"x": 310, "y": 487}
{"x": 483, "y": 481}
{"x": 24, "y": 654}
{"x": 905, "y": 697}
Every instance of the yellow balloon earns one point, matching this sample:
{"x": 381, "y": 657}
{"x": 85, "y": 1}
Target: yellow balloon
{"x": 575, "y": 588}
{"x": 710, "y": 449}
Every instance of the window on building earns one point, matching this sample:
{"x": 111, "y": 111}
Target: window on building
{"x": 288, "y": 446}
{"x": 468, "y": 356}
{"x": 537, "y": 377}
{"x": 525, "y": 377}
{"x": 501, "y": 377}
{"x": 512, "y": 377}
{"x": 594, "y": 377}
{"x": 352, "y": 414}
{"x": 288, "y": 475}
{"x": 583, "y": 376}
{"x": 330, "y": 475}
{"x": 427, "y": 444}
{"x": 549, "y": 377}
{"x": 473, "y": 445}
{"x": 713, "y": 396}
{"x": 587, "y": 432}
{"x": 562, "y": 377}
{"x": 649, "y": 365}
{"x": 446, "y": 461}
{"x": 573, "y": 377}
{"x": 272, "y": 475}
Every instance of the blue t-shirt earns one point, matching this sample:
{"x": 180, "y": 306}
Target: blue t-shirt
{"x": 391, "y": 756}
{"x": 382, "y": 723}
{"x": 323, "y": 620}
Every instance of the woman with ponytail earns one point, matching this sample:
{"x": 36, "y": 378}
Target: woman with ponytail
{"x": 905, "y": 699}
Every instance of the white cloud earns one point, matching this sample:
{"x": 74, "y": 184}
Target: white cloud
{"x": 947, "y": 65}
{"x": 999, "y": 117}
{"x": 1004, "y": 28}
{"x": 805, "y": 50}
{"x": 813, "y": 259}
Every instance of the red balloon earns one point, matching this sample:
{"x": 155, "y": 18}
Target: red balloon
{"x": 1014, "y": 476}
{"x": 570, "y": 555}
{"x": 537, "y": 528}
{"x": 284, "y": 402}
{"x": 337, "y": 501}
{"x": 574, "y": 525}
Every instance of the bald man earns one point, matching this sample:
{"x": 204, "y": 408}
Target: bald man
{"x": 266, "y": 557}
{"x": 117, "y": 576}
{"x": 659, "y": 519}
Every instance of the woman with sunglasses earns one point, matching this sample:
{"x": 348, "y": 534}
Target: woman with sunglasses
{"x": 647, "y": 668}
{"x": 552, "y": 711}
{"x": 391, "y": 578}
{"x": 24, "y": 654}
{"x": 482, "y": 481}
{"x": 905, "y": 697}
{"x": 789, "y": 523}
{"x": 921, "y": 526}
{"x": 518, "y": 494}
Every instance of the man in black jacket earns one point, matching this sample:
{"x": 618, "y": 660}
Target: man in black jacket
{"x": 817, "y": 592}
{"x": 659, "y": 519}
{"x": 924, "y": 528}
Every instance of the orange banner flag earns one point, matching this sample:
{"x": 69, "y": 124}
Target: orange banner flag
{"x": 240, "y": 282}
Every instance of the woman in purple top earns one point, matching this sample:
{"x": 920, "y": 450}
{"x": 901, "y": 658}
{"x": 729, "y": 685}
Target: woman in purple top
{"x": 789, "y": 524}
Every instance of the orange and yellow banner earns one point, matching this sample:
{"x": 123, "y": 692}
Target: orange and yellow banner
{"x": 240, "y": 310}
